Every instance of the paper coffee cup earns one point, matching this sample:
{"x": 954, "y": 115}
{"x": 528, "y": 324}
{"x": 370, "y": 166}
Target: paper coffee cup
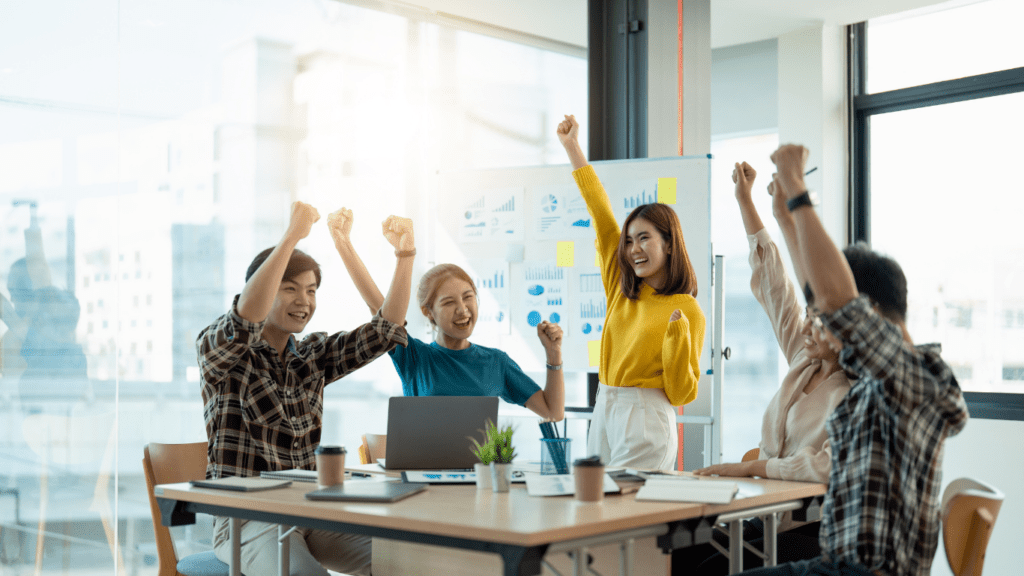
{"x": 330, "y": 465}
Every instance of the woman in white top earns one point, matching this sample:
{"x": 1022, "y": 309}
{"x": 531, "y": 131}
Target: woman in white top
{"x": 794, "y": 444}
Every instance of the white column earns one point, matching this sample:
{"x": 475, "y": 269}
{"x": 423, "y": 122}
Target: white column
{"x": 813, "y": 111}
{"x": 665, "y": 97}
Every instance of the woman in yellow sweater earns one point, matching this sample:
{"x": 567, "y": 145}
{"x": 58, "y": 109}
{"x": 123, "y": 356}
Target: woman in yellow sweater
{"x": 654, "y": 329}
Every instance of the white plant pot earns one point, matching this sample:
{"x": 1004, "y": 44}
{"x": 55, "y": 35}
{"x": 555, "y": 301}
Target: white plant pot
{"x": 501, "y": 477}
{"x": 483, "y": 476}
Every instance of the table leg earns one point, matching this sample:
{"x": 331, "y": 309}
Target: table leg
{"x": 626, "y": 550}
{"x": 283, "y": 550}
{"x": 235, "y": 565}
{"x": 771, "y": 531}
{"x": 736, "y": 546}
{"x": 579, "y": 565}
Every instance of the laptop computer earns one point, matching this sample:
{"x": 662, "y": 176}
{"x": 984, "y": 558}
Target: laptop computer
{"x": 432, "y": 432}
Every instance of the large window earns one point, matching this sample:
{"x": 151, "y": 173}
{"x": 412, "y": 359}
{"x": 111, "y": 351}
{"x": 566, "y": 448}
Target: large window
{"x": 935, "y": 189}
{"x": 149, "y": 151}
{"x": 756, "y": 365}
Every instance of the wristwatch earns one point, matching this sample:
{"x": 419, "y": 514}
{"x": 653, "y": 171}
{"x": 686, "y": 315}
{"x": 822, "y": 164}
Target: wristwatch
{"x": 803, "y": 199}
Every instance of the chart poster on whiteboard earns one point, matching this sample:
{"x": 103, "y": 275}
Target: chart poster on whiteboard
{"x": 559, "y": 213}
{"x": 545, "y": 292}
{"x": 626, "y": 196}
{"x": 495, "y": 215}
{"x": 590, "y": 304}
{"x": 491, "y": 278}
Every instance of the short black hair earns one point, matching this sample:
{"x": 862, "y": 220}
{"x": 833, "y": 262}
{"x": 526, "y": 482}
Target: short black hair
{"x": 880, "y": 278}
{"x": 299, "y": 262}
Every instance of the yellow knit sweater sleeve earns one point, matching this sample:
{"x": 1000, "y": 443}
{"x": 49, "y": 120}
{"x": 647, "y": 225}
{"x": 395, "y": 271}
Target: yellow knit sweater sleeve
{"x": 607, "y": 229}
{"x": 680, "y": 354}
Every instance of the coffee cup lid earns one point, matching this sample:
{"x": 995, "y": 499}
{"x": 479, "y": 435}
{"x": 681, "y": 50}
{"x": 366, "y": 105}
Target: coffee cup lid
{"x": 321, "y": 449}
{"x": 592, "y": 461}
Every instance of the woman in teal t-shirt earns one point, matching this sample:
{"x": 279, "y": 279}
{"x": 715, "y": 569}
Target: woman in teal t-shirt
{"x": 453, "y": 366}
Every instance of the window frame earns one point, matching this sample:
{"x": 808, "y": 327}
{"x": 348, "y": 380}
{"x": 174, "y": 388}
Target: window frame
{"x": 862, "y": 106}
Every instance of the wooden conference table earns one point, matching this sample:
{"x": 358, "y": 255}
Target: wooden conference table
{"x": 521, "y": 530}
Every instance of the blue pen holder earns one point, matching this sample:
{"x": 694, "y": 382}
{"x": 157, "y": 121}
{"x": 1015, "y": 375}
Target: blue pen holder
{"x": 555, "y": 455}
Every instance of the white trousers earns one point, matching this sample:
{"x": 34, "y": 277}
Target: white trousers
{"x": 634, "y": 428}
{"x": 311, "y": 550}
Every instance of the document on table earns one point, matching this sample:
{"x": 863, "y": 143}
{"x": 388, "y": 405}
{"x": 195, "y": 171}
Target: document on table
{"x": 675, "y": 490}
{"x": 560, "y": 484}
{"x": 241, "y": 484}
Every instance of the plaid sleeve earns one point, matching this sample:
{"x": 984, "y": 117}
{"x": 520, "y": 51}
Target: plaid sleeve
{"x": 344, "y": 352}
{"x": 221, "y": 344}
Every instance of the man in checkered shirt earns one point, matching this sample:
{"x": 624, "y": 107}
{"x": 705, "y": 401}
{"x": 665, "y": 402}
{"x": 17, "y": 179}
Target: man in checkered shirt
{"x": 263, "y": 390}
{"x": 881, "y": 514}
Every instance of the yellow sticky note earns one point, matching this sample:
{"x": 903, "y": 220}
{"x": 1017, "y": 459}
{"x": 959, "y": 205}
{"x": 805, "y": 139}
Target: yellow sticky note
{"x": 667, "y": 190}
{"x": 594, "y": 351}
{"x": 564, "y": 257}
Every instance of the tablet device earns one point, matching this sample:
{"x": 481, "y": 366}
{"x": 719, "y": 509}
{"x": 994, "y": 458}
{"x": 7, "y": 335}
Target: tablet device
{"x": 367, "y": 491}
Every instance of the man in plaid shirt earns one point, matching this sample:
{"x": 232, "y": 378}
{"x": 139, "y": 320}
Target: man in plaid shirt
{"x": 880, "y": 515}
{"x": 263, "y": 391}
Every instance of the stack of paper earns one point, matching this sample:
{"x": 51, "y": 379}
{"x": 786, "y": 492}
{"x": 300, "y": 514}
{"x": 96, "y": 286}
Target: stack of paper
{"x": 678, "y": 490}
{"x": 296, "y": 475}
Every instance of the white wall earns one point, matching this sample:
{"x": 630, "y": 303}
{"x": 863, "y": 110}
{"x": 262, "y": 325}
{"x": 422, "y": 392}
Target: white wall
{"x": 745, "y": 88}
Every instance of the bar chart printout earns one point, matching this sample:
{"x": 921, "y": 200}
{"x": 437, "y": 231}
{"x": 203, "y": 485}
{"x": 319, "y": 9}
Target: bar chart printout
{"x": 491, "y": 278}
{"x": 494, "y": 215}
{"x": 546, "y": 288}
{"x": 591, "y": 305}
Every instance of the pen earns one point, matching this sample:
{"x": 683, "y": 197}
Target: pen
{"x": 811, "y": 170}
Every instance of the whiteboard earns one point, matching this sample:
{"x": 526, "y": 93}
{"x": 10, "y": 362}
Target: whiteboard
{"x": 505, "y": 225}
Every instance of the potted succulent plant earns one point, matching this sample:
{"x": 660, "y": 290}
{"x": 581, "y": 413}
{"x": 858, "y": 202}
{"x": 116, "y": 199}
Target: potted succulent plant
{"x": 504, "y": 453}
{"x": 484, "y": 452}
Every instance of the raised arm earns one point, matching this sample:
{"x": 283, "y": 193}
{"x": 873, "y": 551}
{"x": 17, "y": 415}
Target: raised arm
{"x": 257, "y": 296}
{"x": 788, "y": 228}
{"x": 549, "y": 403}
{"x": 35, "y": 257}
{"x": 568, "y": 134}
{"x": 398, "y": 232}
{"x": 340, "y": 225}
{"x": 815, "y": 253}
{"x": 743, "y": 176}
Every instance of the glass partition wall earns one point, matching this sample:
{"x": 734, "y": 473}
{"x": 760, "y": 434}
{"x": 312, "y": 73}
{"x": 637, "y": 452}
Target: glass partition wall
{"x": 149, "y": 150}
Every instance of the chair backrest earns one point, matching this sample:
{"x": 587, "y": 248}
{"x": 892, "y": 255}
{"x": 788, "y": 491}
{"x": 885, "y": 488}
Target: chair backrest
{"x": 376, "y": 446}
{"x": 168, "y": 464}
{"x": 969, "y": 510}
{"x": 751, "y": 454}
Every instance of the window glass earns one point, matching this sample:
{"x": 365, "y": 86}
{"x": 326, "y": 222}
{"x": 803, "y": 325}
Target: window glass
{"x": 915, "y": 49}
{"x": 150, "y": 150}
{"x": 945, "y": 203}
{"x": 756, "y": 366}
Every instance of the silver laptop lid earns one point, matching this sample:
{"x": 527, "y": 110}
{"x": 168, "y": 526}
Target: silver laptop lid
{"x": 432, "y": 432}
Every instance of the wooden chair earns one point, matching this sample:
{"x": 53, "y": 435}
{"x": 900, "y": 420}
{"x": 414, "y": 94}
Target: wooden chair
{"x": 751, "y": 454}
{"x": 168, "y": 464}
{"x": 373, "y": 448}
{"x": 969, "y": 510}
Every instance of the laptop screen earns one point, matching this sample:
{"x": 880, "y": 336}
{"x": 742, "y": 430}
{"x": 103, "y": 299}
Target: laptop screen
{"x": 433, "y": 432}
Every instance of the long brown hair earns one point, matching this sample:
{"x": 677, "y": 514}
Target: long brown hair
{"x": 680, "y": 277}
{"x": 426, "y": 293}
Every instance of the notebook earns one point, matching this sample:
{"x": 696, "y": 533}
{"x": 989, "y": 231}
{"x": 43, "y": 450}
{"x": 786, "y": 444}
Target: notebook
{"x": 367, "y": 491}
{"x": 433, "y": 432}
{"x": 241, "y": 484}
{"x": 674, "y": 490}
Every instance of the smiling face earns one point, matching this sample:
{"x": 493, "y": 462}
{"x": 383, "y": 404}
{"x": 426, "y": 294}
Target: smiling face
{"x": 647, "y": 252}
{"x": 454, "y": 312}
{"x": 294, "y": 304}
{"x": 817, "y": 337}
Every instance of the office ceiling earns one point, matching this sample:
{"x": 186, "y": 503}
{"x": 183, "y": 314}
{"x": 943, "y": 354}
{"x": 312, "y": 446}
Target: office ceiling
{"x": 732, "y": 21}
{"x": 741, "y": 21}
